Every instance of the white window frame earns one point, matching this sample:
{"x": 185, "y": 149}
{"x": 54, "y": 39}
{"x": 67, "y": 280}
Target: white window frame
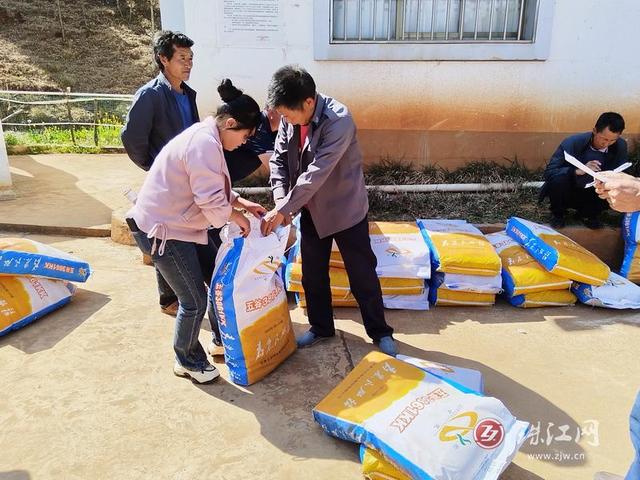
{"x": 472, "y": 50}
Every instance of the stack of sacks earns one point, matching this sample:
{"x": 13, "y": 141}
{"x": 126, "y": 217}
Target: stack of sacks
{"x": 374, "y": 464}
{"x": 466, "y": 268}
{"x": 631, "y": 262}
{"x": 617, "y": 292}
{"x": 403, "y": 265}
{"x": 558, "y": 254}
{"x": 527, "y": 283}
{"x": 426, "y": 426}
{"x": 34, "y": 280}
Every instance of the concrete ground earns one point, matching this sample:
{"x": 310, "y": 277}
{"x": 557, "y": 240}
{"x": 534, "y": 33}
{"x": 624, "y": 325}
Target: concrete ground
{"x": 88, "y": 391}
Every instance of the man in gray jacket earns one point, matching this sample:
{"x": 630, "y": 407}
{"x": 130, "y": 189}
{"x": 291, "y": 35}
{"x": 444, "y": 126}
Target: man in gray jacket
{"x": 162, "y": 109}
{"x": 316, "y": 169}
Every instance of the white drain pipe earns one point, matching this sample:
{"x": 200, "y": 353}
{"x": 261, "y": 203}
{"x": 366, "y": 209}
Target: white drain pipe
{"x": 436, "y": 187}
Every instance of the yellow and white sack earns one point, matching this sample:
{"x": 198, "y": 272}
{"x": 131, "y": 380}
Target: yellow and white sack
{"x": 459, "y": 247}
{"x": 250, "y": 302}
{"x": 25, "y": 299}
{"x": 521, "y": 273}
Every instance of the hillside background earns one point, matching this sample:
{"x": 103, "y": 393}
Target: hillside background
{"x": 101, "y": 46}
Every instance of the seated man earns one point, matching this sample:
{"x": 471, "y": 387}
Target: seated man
{"x": 600, "y": 149}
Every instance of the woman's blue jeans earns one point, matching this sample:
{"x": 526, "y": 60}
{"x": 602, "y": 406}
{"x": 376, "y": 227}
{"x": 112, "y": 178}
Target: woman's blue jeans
{"x": 186, "y": 266}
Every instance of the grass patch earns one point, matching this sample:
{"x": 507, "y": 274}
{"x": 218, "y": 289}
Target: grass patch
{"x": 56, "y": 136}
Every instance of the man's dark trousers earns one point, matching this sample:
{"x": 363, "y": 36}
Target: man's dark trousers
{"x": 565, "y": 192}
{"x": 360, "y": 263}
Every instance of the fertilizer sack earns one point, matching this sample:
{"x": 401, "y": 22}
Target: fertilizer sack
{"x": 425, "y": 425}
{"x": 21, "y": 256}
{"x": 455, "y": 298}
{"x": 617, "y": 292}
{"x": 399, "y": 248}
{"x": 339, "y": 281}
{"x": 551, "y": 298}
{"x": 458, "y": 247}
{"x": 250, "y": 302}
{"x": 25, "y": 299}
{"x": 556, "y": 253}
{"x": 392, "y": 302}
{"x": 521, "y": 273}
{"x": 468, "y": 283}
{"x": 631, "y": 261}
{"x": 374, "y": 464}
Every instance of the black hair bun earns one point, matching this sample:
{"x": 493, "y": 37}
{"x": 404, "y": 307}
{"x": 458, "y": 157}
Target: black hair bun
{"x": 227, "y": 91}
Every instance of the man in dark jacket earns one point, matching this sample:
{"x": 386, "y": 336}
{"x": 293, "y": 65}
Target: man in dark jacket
{"x": 166, "y": 105}
{"x": 601, "y": 149}
{"x": 162, "y": 109}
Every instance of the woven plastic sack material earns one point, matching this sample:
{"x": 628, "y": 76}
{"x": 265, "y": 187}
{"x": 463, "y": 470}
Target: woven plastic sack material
{"x": 374, "y": 464}
{"x": 455, "y": 298}
{"x": 458, "y": 247}
{"x": 25, "y": 299}
{"x": 521, "y": 273}
{"x": 426, "y": 426}
{"x": 394, "y": 302}
{"x": 631, "y": 261}
{"x": 21, "y": 256}
{"x": 464, "y": 378}
{"x": 551, "y": 298}
{"x": 251, "y": 304}
{"x": 468, "y": 283}
{"x": 376, "y": 467}
{"x": 618, "y": 293}
{"x": 399, "y": 248}
{"x": 556, "y": 253}
{"x": 340, "y": 282}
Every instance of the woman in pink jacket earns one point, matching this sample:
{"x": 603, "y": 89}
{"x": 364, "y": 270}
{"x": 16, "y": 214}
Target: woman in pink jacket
{"x": 187, "y": 191}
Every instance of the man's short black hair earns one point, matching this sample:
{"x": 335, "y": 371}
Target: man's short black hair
{"x": 613, "y": 120}
{"x": 164, "y": 42}
{"x": 290, "y": 86}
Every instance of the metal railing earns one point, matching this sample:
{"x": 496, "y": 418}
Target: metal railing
{"x": 430, "y": 21}
{"x": 20, "y": 110}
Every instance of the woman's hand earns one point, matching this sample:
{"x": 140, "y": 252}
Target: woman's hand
{"x": 239, "y": 219}
{"x": 253, "y": 208}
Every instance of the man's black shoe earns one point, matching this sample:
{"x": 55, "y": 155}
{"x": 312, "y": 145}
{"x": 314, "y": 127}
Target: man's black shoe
{"x": 557, "y": 221}
{"x": 594, "y": 223}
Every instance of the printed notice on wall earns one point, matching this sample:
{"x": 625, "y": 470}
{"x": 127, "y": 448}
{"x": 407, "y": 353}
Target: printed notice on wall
{"x": 252, "y": 23}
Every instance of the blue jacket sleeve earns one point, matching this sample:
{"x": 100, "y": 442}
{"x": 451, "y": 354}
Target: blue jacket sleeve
{"x": 557, "y": 164}
{"x": 137, "y": 129}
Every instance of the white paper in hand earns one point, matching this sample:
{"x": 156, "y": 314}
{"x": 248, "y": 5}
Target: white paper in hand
{"x": 621, "y": 168}
{"x": 578, "y": 164}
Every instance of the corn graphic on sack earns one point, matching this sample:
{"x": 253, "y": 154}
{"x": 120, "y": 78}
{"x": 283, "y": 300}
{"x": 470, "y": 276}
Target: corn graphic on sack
{"x": 399, "y": 248}
{"x": 551, "y": 298}
{"x": 556, "y": 253}
{"x": 458, "y": 247}
{"x": 250, "y": 302}
{"x": 617, "y": 292}
{"x": 426, "y": 426}
{"x": 521, "y": 273}
{"x": 631, "y": 234}
{"x": 21, "y": 256}
{"x": 25, "y": 299}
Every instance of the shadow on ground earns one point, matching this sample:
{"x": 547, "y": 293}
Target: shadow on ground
{"x": 49, "y": 330}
